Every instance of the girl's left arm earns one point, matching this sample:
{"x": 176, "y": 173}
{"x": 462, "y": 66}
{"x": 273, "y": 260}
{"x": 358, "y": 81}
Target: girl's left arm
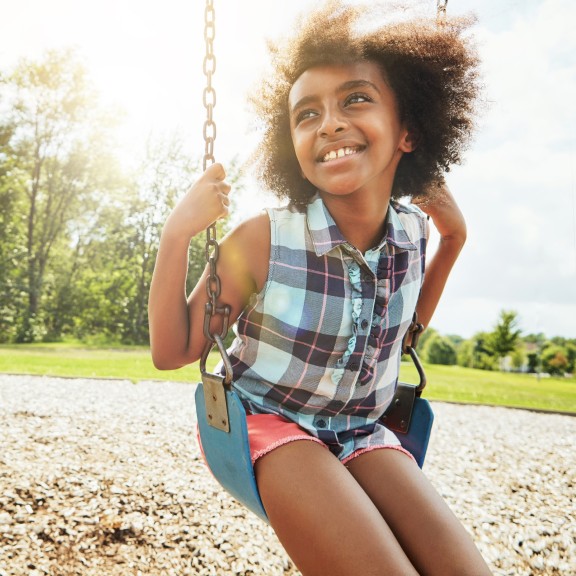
{"x": 449, "y": 221}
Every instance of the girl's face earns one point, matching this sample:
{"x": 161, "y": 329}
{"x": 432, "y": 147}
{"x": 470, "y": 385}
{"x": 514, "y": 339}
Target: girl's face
{"x": 345, "y": 128}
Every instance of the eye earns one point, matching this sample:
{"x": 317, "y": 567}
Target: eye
{"x": 357, "y": 98}
{"x": 304, "y": 115}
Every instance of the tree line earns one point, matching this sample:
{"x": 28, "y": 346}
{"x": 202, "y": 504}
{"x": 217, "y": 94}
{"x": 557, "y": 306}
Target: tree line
{"x": 503, "y": 348}
{"x": 79, "y": 231}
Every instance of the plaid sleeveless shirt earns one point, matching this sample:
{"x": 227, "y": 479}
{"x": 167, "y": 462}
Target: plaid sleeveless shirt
{"x": 321, "y": 343}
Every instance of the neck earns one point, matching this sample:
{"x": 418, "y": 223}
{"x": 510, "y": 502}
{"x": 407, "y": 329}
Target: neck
{"x": 361, "y": 221}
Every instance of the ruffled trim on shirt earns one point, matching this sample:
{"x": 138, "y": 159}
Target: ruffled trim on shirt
{"x": 356, "y": 299}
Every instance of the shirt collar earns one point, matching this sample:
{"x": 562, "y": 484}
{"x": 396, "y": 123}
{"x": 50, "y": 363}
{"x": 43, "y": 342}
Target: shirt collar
{"x": 326, "y": 235}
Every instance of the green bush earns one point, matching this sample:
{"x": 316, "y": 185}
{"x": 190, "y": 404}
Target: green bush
{"x": 439, "y": 350}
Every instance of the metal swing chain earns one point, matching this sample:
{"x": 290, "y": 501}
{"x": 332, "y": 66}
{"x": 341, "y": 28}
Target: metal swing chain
{"x": 441, "y": 12}
{"x": 412, "y": 335}
{"x": 209, "y": 95}
{"x": 213, "y": 284}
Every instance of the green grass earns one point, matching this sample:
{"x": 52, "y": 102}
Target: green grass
{"x": 445, "y": 383}
{"x": 457, "y": 384}
{"x": 76, "y": 360}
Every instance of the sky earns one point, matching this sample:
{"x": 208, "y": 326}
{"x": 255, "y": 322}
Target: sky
{"x": 517, "y": 186}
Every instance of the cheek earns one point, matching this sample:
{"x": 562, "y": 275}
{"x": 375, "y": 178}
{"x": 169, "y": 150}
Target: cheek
{"x": 297, "y": 152}
{"x": 301, "y": 148}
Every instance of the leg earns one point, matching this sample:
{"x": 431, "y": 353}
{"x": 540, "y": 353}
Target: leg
{"x": 323, "y": 518}
{"x": 429, "y": 533}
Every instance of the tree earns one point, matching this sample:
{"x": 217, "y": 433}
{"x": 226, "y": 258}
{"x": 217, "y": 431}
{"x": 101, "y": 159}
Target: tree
{"x": 533, "y": 344}
{"x": 11, "y": 232}
{"x": 505, "y": 336}
{"x": 165, "y": 174}
{"x": 100, "y": 291}
{"x": 465, "y": 354}
{"x": 475, "y": 353}
{"x": 57, "y": 139}
{"x": 533, "y": 359}
{"x": 555, "y": 360}
{"x": 518, "y": 357}
{"x": 439, "y": 350}
{"x": 569, "y": 347}
{"x": 455, "y": 339}
{"x": 424, "y": 336}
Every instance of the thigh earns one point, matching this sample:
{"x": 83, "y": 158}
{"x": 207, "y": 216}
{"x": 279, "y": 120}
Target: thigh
{"x": 323, "y": 518}
{"x": 430, "y": 534}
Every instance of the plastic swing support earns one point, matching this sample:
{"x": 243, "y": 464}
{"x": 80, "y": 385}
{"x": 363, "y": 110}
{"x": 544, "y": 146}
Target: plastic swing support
{"x": 410, "y": 415}
{"x": 228, "y": 453}
{"x": 224, "y": 433}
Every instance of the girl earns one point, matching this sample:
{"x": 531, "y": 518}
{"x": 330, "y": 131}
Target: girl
{"x": 324, "y": 289}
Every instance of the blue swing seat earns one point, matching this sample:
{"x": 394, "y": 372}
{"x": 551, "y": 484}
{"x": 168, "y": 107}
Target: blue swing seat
{"x": 416, "y": 439}
{"x": 227, "y": 449}
{"x": 228, "y": 453}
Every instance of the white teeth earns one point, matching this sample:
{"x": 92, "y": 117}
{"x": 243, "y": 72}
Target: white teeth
{"x": 340, "y": 153}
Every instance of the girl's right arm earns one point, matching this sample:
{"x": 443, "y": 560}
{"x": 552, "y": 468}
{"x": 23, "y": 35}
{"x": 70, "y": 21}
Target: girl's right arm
{"x": 176, "y": 321}
{"x": 441, "y": 206}
{"x": 174, "y": 339}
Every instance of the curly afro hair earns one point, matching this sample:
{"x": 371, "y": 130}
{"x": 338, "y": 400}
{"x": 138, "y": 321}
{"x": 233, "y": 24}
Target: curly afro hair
{"x": 432, "y": 69}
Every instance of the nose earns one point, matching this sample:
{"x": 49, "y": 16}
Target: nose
{"x": 332, "y": 123}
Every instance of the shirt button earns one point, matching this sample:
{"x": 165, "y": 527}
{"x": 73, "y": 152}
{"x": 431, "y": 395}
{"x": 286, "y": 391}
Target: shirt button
{"x": 364, "y": 324}
{"x": 321, "y": 423}
{"x": 354, "y": 366}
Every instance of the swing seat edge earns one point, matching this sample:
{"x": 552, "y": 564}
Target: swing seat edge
{"x": 227, "y": 454}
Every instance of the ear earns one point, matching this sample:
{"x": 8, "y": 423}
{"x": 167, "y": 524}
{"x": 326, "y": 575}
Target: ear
{"x": 409, "y": 141}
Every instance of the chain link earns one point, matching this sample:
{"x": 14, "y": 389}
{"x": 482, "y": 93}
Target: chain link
{"x": 212, "y": 249}
{"x": 441, "y": 12}
{"x": 209, "y": 95}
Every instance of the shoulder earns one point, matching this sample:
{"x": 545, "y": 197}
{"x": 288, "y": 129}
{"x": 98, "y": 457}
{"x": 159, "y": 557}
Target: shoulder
{"x": 247, "y": 248}
{"x": 255, "y": 228}
{"x": 289, "y": 226}
{"x": 408, "y": 209}
{"x": 413, "y": 219}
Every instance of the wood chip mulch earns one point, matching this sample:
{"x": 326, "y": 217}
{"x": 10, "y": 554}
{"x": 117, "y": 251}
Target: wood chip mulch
{"x": 105, "y": 478}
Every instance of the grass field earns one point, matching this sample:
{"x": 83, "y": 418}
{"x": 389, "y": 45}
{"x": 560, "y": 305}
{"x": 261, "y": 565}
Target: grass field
{"x": 445, "y": 383}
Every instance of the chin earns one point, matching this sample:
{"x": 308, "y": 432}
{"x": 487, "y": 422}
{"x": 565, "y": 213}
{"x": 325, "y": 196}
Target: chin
{"x": 338, "y": 190}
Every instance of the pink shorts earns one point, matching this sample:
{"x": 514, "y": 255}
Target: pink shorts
{"x": 266, "y": 432}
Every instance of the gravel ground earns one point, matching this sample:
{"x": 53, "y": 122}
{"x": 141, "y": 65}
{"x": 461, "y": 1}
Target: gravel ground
{"x": 104, "y": 478}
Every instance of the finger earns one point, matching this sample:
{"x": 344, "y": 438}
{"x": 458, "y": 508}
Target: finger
{"x": 224, "y": 188}
{"x": 215, "y": 172}
{"x": 225, "y": 200}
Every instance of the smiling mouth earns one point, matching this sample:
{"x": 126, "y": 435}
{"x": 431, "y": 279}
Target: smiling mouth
{"x": 341, "y": 153}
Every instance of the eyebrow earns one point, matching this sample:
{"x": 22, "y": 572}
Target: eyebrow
{"x": 349, "y": 85}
